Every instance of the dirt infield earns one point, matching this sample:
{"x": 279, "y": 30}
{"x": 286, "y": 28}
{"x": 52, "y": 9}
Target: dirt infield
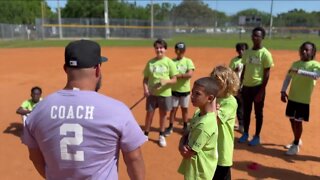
{"x": 20, "y": 69}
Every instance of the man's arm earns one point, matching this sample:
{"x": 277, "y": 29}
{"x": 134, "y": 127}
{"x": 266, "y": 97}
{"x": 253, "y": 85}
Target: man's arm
{"x": 37, "y": 159}
{"x": 135, "y": 164}
{"x": 22, "y": 111}
{"x": 266, "y": 74}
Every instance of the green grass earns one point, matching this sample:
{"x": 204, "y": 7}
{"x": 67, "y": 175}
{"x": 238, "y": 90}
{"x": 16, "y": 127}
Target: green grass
{"x": 222, "y": 40}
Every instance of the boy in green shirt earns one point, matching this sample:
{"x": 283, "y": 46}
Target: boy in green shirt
{"x": 198, "y": 145}
{"x": 301, "y": 87}
{"x": 255, "y": 75}
{"x": 229, "y": 84}
{"x": 158, "y": 76}
{"x": 181, "y": 90}
{"x": 237, "y": 66}
{"x": 27, "y": 106}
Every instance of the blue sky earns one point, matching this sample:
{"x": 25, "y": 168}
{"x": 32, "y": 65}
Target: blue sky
{"x": 233, "y": 6}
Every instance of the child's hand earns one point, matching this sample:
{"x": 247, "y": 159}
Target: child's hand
{"x": 185, "y": 151}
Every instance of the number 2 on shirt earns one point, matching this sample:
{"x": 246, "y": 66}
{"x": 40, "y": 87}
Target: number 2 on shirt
{"x": 76, "y": 140}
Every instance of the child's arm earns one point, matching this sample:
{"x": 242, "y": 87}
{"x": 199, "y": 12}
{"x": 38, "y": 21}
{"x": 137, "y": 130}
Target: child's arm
{"x": 314, "y": 75}
{"x": 170, "y": 81}
{"x": 145, "y": 87}
{"x": 285, "y": 84}
{"x": 184, "y": 149}
{"x": 186, "y": 75}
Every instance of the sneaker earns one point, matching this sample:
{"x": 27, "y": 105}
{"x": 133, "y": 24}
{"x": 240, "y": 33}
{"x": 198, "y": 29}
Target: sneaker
{"x": 147, "y": 137}
{"x": 255, "y": 141}
{"x": 244, "y": 138}
{"x": 293, "y": 150}
{"x": 288, "y": 146}
{"x": 162, "y": 141}
{"x": 168, "y": 131}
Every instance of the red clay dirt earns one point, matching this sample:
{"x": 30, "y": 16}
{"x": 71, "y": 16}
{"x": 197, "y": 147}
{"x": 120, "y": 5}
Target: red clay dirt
{"x": 23, "y": 68}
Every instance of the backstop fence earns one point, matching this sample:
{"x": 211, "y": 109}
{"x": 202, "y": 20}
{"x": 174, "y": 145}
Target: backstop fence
{"x": 131, "y": 28}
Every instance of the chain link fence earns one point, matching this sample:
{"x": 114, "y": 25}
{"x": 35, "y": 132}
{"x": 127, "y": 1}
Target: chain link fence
{"x": 130, "y": 28}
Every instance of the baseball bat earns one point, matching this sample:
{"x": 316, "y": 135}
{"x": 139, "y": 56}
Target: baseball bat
{"x": 135, "y": 104}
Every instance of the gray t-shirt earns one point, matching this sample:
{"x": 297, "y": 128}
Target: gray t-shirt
{"x": 80, "y": 134}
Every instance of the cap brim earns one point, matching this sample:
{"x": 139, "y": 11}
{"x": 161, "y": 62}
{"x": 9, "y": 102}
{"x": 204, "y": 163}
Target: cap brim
{"x": 103, "y": 59}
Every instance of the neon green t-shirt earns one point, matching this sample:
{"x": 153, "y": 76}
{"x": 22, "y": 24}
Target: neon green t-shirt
{"x": 183, "y": 65}
{"x": 202, "y": 139}
{"x": 255, "y": 62}
{"x": 157, "y": 69}
{"x": 29, "y": 104}
{"x": 302, "y": 86}
{"x": 227, "y": 115}
{"x": 236, "y": 62}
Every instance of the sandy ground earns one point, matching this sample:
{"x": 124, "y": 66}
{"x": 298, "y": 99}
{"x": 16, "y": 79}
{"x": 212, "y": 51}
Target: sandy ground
{"x": 20, "y": 69}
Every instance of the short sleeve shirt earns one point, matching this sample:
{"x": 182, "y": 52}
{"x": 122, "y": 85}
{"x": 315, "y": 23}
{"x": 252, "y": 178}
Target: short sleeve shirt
{"x": 302, "y": 86}
{"x": 227, "y": 115}
{"x": 202, "y": 139}
{"x": 183, "y": 66}
{"x": 29, "y": 104}
{"x": 157, "y": 69}
{"x": 236, "y": 62}
{"x": 80, "y": 134}
{"x": 255, "y": 61}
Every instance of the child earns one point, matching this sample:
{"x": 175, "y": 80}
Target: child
{"x": 301, "y": 87}
{"x": 237, "y": 66}
{"x": 255, "y": 76}
{"x": 27, "y": 106}
{"x": 226, "y": 114}
{"x": 159, "y": 74}
{"x": 198, "y": 145}
{"x": 181, "y": 90}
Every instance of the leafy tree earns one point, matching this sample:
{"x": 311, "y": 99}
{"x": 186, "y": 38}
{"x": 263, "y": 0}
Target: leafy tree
{"x": 192, "y": 13}
{"x": 22, "y": 11}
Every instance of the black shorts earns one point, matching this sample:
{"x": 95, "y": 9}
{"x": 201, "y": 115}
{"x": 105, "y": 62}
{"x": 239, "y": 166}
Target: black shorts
{"x": 297, "y": 111}
{"x": 180, "y": 94}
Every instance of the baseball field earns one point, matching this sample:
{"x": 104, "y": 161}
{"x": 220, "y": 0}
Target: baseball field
{"x": 22, "y": 68}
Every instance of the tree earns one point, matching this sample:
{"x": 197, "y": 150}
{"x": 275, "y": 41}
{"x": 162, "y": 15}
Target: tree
{"x": 192, "y": 13}
{"x": 22, "y": 12}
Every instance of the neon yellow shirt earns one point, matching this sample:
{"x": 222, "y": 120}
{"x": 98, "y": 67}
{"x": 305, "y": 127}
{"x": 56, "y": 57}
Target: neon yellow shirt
{"x": 236, "y": 62}
{"x": 157, "y": 69}
{"x": 227, "y": 115}
{"x": 255, "y": 62}
{"x": 29, "y": 104}
{"x": 183, "y": 65}
{"x": 302, "y": 86}
{"x": 202, "y": 139}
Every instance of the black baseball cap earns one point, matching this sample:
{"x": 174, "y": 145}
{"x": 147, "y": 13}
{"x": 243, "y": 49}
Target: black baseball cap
{"x": 83, "y": 54}
{"x": 180, "y": 46}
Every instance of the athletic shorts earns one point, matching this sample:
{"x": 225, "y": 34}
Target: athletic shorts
{"x": 297, "y": 111}
{"x": 180, "y": 99}
{"x": 163, "y": 103}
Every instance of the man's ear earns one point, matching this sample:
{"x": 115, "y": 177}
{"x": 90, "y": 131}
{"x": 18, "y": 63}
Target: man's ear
{"x": 98, "y": 70}
{"x": 65, "y": 68}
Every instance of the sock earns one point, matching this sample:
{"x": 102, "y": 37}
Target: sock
{"x": 185, "y": 124}
{"x": 146, "y": 133}
{"x": 295, "y": 142}
{"x": 171, "y": 125}
{"x": 161, "y": 133}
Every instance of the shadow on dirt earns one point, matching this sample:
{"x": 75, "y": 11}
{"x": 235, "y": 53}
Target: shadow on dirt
{"x": 14, "y": 128}
{"x": 264, "y": 172}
